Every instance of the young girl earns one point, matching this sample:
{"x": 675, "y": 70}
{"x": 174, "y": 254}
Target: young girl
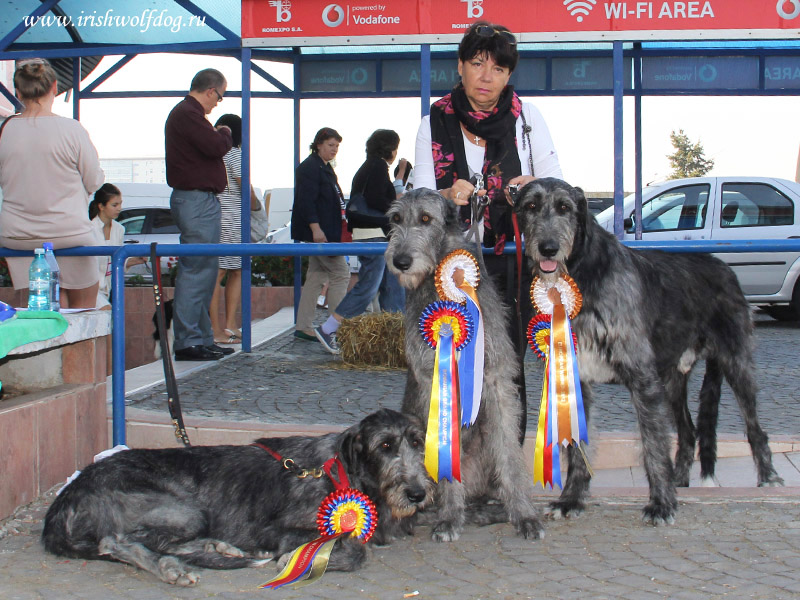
{"x": 103, "y": 211}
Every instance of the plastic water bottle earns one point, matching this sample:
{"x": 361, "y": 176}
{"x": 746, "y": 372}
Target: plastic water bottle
{"x": 39, "y": 282}
{"x": 55, "y": 277}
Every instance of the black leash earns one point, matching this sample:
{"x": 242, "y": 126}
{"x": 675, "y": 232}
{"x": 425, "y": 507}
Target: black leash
{"x": 173, "y": 400}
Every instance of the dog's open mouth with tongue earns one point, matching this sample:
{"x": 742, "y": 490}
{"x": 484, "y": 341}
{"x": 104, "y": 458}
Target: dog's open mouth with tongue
{"x": 548, "y": 266}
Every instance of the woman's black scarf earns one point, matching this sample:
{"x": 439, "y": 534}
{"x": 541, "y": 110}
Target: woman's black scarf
{"x": 501, "y": 160}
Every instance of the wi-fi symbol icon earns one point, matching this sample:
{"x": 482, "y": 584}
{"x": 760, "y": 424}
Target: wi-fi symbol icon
{"x": 579, "y": 8}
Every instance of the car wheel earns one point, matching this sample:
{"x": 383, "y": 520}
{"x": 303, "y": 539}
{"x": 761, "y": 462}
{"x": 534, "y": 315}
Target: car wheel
{"x": 781, "y": 312}
{"x": 784, "y": 312}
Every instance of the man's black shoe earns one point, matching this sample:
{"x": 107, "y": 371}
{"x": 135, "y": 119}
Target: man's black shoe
{"x": 197, "y": 353}
{"x": 224, "y": 350}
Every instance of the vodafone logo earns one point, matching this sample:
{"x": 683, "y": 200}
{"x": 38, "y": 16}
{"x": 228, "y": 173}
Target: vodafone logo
{"x": 793, "y": 7}
{"x": 332, "y": 15}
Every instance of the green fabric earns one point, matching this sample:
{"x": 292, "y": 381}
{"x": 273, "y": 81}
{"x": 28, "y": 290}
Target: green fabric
{"x": 30, "y": 326}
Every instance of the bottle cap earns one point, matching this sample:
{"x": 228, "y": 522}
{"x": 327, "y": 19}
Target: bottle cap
{"x": 39, "y": 251}
{"x": 47, "y": 245}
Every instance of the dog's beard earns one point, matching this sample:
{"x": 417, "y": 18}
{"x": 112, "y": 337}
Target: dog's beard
{"x": 410, "y": 281}
{"x": 403, "y": 513}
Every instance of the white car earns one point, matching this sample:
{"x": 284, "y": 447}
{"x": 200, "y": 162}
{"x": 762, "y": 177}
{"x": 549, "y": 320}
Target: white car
{"x": 146, "y": 218}
{"x": 729, "y": 208}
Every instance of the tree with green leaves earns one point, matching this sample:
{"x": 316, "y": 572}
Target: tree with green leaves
{"x": 689, "y": 159}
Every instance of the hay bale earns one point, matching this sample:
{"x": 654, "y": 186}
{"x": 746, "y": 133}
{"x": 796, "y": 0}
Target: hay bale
{"x": 373, "y": 340}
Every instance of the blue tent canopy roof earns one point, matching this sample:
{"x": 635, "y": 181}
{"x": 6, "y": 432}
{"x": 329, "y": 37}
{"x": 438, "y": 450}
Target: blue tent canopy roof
{"x": 115, "y": 22}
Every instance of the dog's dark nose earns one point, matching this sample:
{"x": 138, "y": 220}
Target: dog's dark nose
{"x": 402, "y": 262}
{"x": 415, "y": 495}
{"x": 548, "y": 248}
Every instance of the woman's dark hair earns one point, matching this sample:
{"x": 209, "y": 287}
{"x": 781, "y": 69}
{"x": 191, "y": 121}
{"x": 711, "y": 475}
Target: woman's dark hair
{"x": 502, "y": 51}
{"x": 235, "y": 123}
{"x": 409, "y": 166}
{"x": 102, "y": 197}
{"x": 324, "y": 134}
{"x": 382, "y": 143}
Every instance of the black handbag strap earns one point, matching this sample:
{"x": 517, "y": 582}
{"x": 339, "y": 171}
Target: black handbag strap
{"x": 173, "y": 400}
{"x": 5, "y": 122}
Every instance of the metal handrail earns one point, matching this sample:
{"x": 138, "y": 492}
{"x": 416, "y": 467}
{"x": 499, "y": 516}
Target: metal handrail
{"x": 120, "y": 253}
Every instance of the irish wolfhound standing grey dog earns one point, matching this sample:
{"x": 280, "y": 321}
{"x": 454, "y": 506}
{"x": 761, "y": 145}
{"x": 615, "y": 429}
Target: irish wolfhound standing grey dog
{"x": 425, "y": 229}
{"x": 228, "y": 507}
{"x": 647, "y": 317}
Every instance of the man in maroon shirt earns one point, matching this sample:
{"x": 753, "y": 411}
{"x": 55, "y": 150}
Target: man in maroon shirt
{"x": 195, "y": 171}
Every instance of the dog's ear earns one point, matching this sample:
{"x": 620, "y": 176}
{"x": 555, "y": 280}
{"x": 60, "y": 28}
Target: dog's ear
{"x": 450, "y": 212}
{"x": 583, "y": 207}
{"x": 351, "y": 448}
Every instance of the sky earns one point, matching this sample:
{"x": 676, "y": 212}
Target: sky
{"x": 743, "y": 135}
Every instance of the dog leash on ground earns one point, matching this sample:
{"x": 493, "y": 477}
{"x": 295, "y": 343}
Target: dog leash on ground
{"x": 173, "y": 400}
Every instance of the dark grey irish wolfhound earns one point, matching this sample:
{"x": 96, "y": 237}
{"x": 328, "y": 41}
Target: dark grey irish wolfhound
{"x": 228, "y": 507}
{"x": 425, "y": 229}
{"x": 647, "y": 317}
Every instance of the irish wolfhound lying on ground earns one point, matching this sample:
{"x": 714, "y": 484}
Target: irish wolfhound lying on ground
{"x": 228, "y": 507}
{"x": 647, "y": 317}
{"x": 424, "y": 230}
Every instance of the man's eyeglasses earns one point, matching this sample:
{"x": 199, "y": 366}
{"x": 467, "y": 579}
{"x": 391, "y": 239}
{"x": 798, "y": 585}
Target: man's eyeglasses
{"x": 488, "y": 31}
{"x": 219, "y": 98}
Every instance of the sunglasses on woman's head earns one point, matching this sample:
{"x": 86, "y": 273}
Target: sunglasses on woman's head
{"x": 488, "y": 31}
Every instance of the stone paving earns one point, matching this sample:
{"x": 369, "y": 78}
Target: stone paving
{"x": 726, "y": 543}
{"x": 719, "y": 548}
{"x": 288, "y": 380}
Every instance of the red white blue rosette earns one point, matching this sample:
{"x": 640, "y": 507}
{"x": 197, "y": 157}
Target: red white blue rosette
{"x": 347, "y": 511}
{"x": 539, "y": 336}
{"x": 446, "y": 312}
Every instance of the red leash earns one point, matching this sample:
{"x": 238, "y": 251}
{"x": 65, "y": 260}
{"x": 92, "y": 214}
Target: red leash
{"x": 339, "y": 480}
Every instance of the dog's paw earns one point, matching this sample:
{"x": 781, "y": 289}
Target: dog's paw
{"x": 445, "y": 531}
{"x": 223, "y": 548}
{"x": 284, "y": 560}
{"x": 175, "y": 572}
{"x": 530, "y": 528}
{"x": 263, "y": 555}
{"x": 563, "y": 509}
{"x": 106, "y": 545}
{"x": 658, "y": 514}
{"x": 772, "y": 481}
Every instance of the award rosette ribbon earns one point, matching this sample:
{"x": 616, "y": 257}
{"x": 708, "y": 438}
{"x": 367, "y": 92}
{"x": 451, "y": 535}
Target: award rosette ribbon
{"x": 446, "y": 327}
{"x": 562, "y": 418}
{"x": 343, "y": 511}
{"x": 457, "y": 279}
{"x": 453, "y": 327}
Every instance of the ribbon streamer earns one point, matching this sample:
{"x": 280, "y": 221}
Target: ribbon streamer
{"x": 456, "y": 279}
{"x": 442, "y": 447}
{"x": 562, "y": 417}
{"x": 470, "y": 362}
{"x": 343, "y": 511}
{"x": 311, "y": 558}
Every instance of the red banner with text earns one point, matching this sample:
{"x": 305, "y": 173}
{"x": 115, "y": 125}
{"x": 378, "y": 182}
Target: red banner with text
{"x": 316, "y": 22}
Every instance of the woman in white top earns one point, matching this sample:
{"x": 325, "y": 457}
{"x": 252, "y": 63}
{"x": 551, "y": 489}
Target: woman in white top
{"x": 482, "y": 128}
{"x": 103, "y": 211}
{"x": 48, "y": 169}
